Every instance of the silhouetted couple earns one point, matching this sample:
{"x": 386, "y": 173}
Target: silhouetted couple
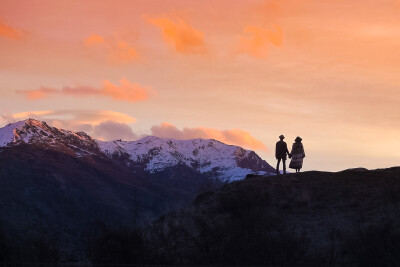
{"x": 297, "y": 154}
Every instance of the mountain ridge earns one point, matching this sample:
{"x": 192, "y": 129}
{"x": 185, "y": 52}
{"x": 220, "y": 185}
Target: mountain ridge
{"x": 148, "y": 154}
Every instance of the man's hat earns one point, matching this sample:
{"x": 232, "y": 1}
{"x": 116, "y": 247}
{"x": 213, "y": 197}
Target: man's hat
{"x": 298, "y": 139}
{"x": 281, "y": 136}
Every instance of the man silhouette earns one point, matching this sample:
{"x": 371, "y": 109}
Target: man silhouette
{"x": 280, "y": 153}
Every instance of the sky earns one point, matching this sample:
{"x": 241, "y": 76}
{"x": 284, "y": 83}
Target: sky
{"x": 242, "y": 72}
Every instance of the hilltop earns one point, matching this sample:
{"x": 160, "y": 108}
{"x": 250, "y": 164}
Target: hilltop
{"x": 311, "y": 218}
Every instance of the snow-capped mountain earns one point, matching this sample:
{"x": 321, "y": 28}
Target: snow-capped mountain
{"x": 32, "y": 131}
{"x": 67, "y": 182}
{"x": 149, "y": 154}
{"x": 212, "y": 157}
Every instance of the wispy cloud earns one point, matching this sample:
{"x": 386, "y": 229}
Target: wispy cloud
{"x": 10, "y": 32}
{"x": 257, "y": 40}
{"x": 93, "y": 40}
{"x": 122, "y": 52}
{"x": 178, "y": 33}
{"x": 125, "y": 91}
{"x": 76, "y": 116}
{"x": 116, "y": 50}
{"x": 233, "y": 136}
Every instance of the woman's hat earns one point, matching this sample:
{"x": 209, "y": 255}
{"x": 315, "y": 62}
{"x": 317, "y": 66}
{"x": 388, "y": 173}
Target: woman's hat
{"x": 298, "y": 139}
{"x": 281, "y": 136}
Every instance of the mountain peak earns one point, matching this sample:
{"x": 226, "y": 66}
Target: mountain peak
{"x": 149, "y": 138}
{"x": 28, "y": 122}
{"x": 32, "y": 131}
{"x": 34, "y": 122}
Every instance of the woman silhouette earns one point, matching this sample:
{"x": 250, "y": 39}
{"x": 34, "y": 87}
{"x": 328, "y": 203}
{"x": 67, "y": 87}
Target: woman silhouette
{"x": 297, "y": 155}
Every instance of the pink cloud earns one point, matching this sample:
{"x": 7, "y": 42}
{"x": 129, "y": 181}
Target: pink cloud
{"x": 91, "y": 117}
{"x": 233, "y": 136}
{"x": 111, "y": 130}
{"x": 38, "y": 93}
{"x": 126, "y": 91}
{"x": 100, "y": 124}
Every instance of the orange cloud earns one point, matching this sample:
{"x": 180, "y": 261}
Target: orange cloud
{"x": 122, "y": 52}
{"x": 233, "y": 136}
{"x": 94, "y": 39}
{"x": 38, "y": 93}
{"x": 126, "y": 91}
{"x": 183, "y": 37}
{"x": 256, "y": 40}
{"x": 10, "y": 32}
{"x": 117, "y": 51}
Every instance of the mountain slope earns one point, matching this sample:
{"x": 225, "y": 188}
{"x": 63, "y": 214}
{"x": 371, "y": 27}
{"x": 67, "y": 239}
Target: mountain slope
{"x": 46, "y": 192}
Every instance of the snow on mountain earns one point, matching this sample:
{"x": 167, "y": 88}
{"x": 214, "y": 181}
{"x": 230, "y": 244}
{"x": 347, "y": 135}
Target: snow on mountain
{"x": 151, "y": 154}
{"x": 8, "y": 132}
{"x": 32, "y": 131}
{"x": 205, "y": 156}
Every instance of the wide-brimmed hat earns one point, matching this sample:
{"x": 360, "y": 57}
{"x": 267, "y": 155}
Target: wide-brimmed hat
{"x": 281, "y": 136}
{"x": 298, "y": 138}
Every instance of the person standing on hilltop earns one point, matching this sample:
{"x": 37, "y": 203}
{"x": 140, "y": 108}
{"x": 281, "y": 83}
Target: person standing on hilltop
{"x": 280, "y": 153}
{"x": 297, "y": 154}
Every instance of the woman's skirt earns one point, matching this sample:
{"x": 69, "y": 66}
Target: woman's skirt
{"x": 296, "y": 162}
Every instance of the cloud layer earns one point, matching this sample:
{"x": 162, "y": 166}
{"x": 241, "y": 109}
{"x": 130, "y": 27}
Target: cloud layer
{"x": 100, "y": 124}
{"x": 233, "y": 136}
{"x": 126, "y": 91}
{"x": 110, "y": 125}
{"x": 112, "y": 130}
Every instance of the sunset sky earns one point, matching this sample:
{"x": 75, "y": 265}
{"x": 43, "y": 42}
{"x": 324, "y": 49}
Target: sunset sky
{"x": 240, "y": 71}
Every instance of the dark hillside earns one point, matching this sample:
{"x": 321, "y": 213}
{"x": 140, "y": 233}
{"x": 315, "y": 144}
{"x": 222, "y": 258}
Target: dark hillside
{"x": 50, "y": 195}
{"x": 308, "y": 218}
